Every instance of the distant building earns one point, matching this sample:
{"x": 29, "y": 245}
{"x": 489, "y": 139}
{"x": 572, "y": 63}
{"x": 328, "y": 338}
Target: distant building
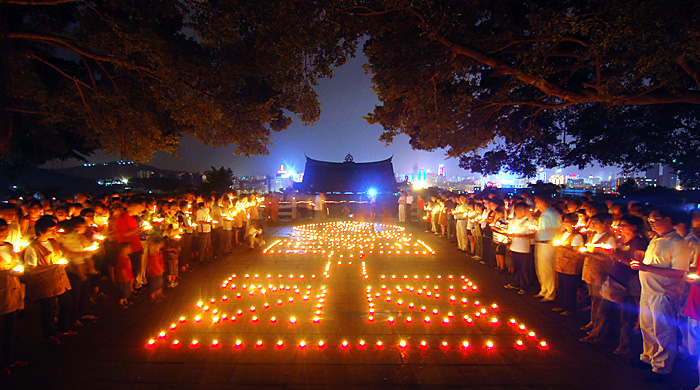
{"x": 663, "y": 176}
{"x": 558, "y": 179}
{"x": 657, "y": 176}
{"x": 348, "y": 176}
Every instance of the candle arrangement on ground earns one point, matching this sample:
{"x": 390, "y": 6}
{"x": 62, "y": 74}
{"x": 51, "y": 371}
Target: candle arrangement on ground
{"x": 271, "y": 309}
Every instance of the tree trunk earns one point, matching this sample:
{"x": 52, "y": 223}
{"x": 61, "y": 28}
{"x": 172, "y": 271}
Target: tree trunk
{"x": 5, "y": 95}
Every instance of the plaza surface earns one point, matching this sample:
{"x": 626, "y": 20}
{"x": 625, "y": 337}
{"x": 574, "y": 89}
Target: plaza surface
{"x": 354, "y": 314}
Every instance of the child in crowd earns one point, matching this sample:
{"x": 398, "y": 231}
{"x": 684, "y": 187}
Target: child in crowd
{"x": 255, "y": 233}
{"x": 171, "y": 253}
{"x": 156, "y": 267}
{"x": 123, "y": 274}
{"x": 569, "y": 264}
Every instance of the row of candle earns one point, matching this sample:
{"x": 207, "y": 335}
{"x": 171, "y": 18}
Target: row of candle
{"x": 361, "y": 344}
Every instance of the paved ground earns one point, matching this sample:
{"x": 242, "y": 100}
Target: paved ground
{"x": 112, "y": 353}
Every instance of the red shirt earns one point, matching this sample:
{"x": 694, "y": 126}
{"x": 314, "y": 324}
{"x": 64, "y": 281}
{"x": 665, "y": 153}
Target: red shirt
{"x": 156, "y": 265}
{"x": 123, "y": 271}
{"x": 125, "y": 223}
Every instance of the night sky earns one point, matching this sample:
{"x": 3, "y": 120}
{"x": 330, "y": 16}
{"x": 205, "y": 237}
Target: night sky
{"x": 345, "y": 99}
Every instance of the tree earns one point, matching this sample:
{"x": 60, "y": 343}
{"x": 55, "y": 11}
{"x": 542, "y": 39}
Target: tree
{"x": 132, "y": 77}
{"x": 511, "y": 84}
{"x": 627, "y": 187}
{"x": 517, "y": 85}
{"x": 546, "y": 189}
{"x": 217, "y": 180}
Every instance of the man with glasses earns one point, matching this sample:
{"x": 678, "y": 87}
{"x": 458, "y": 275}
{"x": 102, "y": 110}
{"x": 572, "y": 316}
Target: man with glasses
{"x": 661, "y": 275}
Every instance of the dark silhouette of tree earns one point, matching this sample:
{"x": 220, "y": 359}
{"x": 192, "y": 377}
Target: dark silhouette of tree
{"x": 627, "y": 187}
{"x": 132, "y": 77}
{"x": 518, "y": 85}
{"x": 508, "y": 84}
{"x": 217, "y": 180}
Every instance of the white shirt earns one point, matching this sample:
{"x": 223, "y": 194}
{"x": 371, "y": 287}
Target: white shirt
{"x": 484, "y": 218}
{"x": 14, "y": 234}
{"x": 520, "y": 225}
{"x": 409, "y": 199}
{"x": 577, "y": 241}
{"x": 694, "y": 243}
{"x": 549, "y": 219}
{"x": 461, "y": 211}
{"x": 30, "y": 256}
{"x": 318, "y": 203}
{"x": 669, "y": 251}
{"x": 596, "y": 240}
{"x": 203, "y": 216}
{"x": 6, "y": 255}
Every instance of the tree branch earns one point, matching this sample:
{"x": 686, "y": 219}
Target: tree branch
{"x": 367, "y": 11}
{"x": 40, "y": 2}
{"x": 682, "y": 61}
{"x": 652, "y": 96}
{"x": 505, "y": 69}
{"x": 661, "y": 97}
{"x": 59, "y": 70}
{"x": 44, "y": 113}
{"x": 70, "y": 45}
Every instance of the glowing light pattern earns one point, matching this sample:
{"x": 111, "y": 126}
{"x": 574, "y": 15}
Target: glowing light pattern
{"x": 454, "y": 317}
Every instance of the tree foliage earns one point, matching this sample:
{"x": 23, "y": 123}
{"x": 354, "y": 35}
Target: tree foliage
{"x": 518, "y": 85}
{"x": 133, "y": 76}
{"x": 508, "y": 84}
{"x": 217, "y": 180}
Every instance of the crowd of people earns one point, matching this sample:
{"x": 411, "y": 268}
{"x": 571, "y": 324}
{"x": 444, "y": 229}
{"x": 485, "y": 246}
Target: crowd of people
{"x": 633, "y": 266}
{"x": 60, "y": 252}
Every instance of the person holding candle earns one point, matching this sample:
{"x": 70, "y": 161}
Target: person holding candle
{"x": 8, "y": 212}
{"x": 683, "y": 228}
{"x": 460, "y": 215}
{"x": 34, "y": 212}
{"x": 520, "y": 236}
{"x": 620, "y": 293}
{"x": 239, "y": 221}
{"x": 204, "y": 225}
{"x": 185, "y": 223}
{"x": 596, "y": 268}
{"x": 545, "y": 255}
{"x": 431, "y": 219}
{"x": 110, "y": 233}
{"x": 123, "y": 274}
{"x": 402, "y": 206}
{"x": 227, "y": 224}
{"x": 420, "y": 209}
{"x": 478, "y": 251}
{"x": 156, "y": 268}
{"x": 255, "y": 233}
{"x": 631, "y": 246}
{"x": 661, "y": 273}
{"x": 569, "y": 264}
{"x": 500, "y": 241}
{"x": 47, "y": 280}
{"x": 128, "y": 229}
{"x": 75, "y": 247}
{"x": 217, "y": 231}
{"x": 11, "y": 301}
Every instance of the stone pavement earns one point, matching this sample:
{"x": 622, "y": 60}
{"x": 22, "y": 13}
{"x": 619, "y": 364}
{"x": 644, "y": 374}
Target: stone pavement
{"x": 113, "y": 352}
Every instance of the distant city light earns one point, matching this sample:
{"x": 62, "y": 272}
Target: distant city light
{"x": 372, "y": 192}
{"x": 420, "y": 184}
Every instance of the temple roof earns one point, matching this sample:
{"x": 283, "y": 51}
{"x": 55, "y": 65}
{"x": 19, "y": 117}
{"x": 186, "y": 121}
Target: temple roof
{"x": 348, "y": 176}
